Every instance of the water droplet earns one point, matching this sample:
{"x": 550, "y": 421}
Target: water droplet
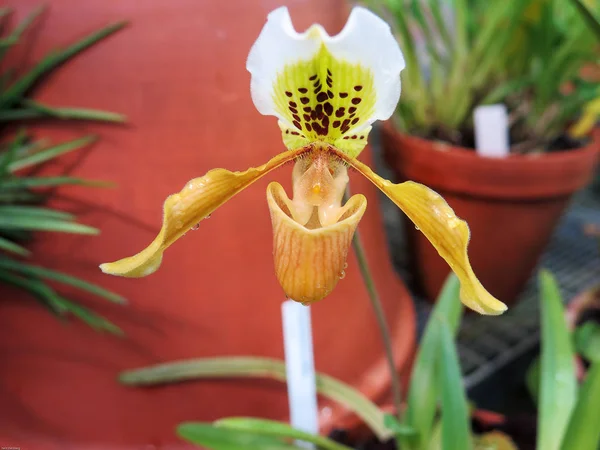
{"x": 345, "y": 265}
{"x": 417, "y": 228}
{"x": 208, "y": 217}
{"x": 195, "y": 227}
{"x": 326, "y": 412}
{"x": 342, "y": 275}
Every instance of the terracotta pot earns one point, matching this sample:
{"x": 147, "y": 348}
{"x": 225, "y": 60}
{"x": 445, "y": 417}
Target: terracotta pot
{"x": 512, "y": 205}
{"x": 178, "y": 72}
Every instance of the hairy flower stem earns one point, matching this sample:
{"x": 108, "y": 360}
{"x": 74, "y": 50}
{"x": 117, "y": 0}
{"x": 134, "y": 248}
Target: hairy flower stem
{"x": 379, "y": 315}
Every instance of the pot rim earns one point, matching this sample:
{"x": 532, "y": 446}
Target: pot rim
{"x": 451, "y": 168}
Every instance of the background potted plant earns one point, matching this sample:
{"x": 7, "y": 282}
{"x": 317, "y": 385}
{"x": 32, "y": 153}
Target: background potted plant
{"x": 527, "y": 55}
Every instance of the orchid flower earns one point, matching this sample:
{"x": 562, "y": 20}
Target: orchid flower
{"x": 326, "y": 92}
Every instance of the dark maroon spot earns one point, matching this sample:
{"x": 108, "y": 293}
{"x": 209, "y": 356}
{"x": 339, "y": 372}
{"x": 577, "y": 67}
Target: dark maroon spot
{"x": 345, "y": 137}
{"x": 330, "y": 94}
{"x": 346, "y": 123}
{"x": 361, "y": 137}
{"x": 314, "y": 77}
{"x": 329, "y": 82}
{"x": 306, "y": 116}
{"x": 336, "y": 124}
{"x": 323, "y": 131}
{"x": 317, "y": 90}
{"x": 293, "y": 104}
{"x": 319, "y": 110}
{"x": 288, "y": 93}
{"x": 352, "y": 109}
{"x": 340, "y": 112}
{"x": 287, "y": 131}
{"x": 356, "y": 100}
{"x": 321, "y": 97}
{"x": 313, "y": 115}
{"x": 306, "y": 109}
{"x": 317, "y": 83}
{"x": 325, "y": 122}
{"x": 295, "y": 133}
{"x": 328, "y": 108}
{"x": 355, "y": 120}
{"x": 297, "y": 124}
{"x": 308, "y": 127}
{"x": 302, "y": 90}
{"x": 316, "y": 127}
{"x": 353, "y": 136}
{"x": 328, "y": 72}
{"x": 357, "y": 88}
{"x": 294, "y": 110}
{"x": 351, "y": 116}
{"x": 343, "y": 94}
{"x": 304, "y": 100}
{"x": 296, "y": 117}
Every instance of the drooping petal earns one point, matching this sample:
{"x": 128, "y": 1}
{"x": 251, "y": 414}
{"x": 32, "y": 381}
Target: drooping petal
{"x": 310, "y": 262}
{"x": 326, "y": 88}
{"x": 182, "y": 211}
{"x": 446, "y": 232}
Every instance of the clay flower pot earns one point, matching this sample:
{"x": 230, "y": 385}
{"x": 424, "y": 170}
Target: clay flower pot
{"x": 178, "y": 73}
{"x": 512, "y": 205}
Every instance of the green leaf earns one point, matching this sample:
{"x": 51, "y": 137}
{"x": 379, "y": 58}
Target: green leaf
{"x": 558, "y": 383}
{"x": 21, "y": 27}
{"x": 37, "y": 288}
{"x": 583, "y": 431}
{"x": 215, "y": 438}
{"x": 59, "y": 305}
{"x": 33, "y": 182}
{"x": 34, "y": 211}
{"x": 17, "y": 89}
{"x": 276, "y": 429}
{"x": 34, "y": 223}
{"x": 456, "y": 423}
{"x": 399, "y": 429}
{"x": 9, "y": 246}
{"x": 532, "y": 380}
{"x": 42, "y": 272}
{"x": 8, "y": 156}
{"x": 252, "y": 367}
{"x": 592, "y": 22}
{"x": 35, "y": 110}
{"x": 587, "y": 341}
{"x": 94, "y": 320}
{"x": 424, "y": 389}
{"x": 49, "y": 153}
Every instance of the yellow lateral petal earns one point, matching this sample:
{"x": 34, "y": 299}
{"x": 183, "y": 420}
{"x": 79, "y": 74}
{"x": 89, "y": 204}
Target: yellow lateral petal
{"x": 448, "y": 234}
{"x": 181, "y": 211}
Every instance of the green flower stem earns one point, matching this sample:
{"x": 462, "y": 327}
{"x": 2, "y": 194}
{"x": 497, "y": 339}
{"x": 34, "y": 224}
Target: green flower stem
{"x": 379, "y": 315}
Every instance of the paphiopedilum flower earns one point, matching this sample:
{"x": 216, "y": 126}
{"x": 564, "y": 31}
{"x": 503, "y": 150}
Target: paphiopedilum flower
{"x": 326, "y": 92}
